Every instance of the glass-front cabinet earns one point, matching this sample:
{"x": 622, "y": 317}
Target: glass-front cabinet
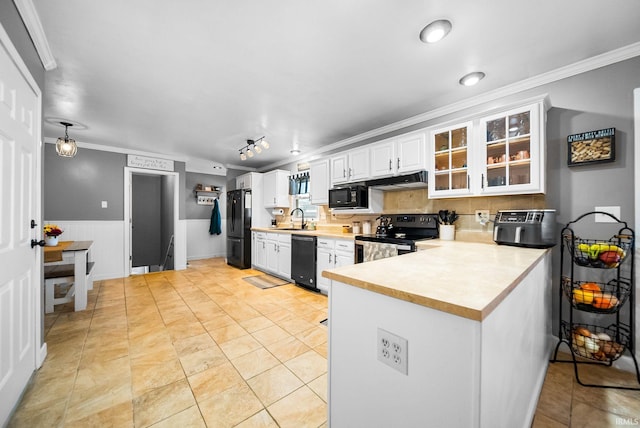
{"x": 497, "y": 154}
{"x": 451, "y": 160}
{"x": 511, "y": 149}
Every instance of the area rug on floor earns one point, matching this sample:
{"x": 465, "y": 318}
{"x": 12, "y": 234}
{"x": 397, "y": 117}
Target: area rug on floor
{"x": 265, "y": 281}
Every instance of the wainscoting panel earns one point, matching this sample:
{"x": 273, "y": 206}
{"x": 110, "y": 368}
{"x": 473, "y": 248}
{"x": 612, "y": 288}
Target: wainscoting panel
{"x": 201, "y": 245}
{"x": 107, "y": 250}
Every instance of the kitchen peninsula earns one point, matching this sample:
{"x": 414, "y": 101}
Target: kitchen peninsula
{"x": 477, "y": 322}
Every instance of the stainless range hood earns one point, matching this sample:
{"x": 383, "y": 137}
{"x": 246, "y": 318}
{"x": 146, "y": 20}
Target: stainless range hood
{"x": 414, "y": 180}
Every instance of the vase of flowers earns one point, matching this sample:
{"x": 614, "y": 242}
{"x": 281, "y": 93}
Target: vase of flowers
{"x": 51, "y": 233}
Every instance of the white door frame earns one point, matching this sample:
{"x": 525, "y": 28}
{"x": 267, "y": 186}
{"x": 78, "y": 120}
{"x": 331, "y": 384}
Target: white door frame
{"x": 636, "y": 173}
{"x": 128, "y": 174}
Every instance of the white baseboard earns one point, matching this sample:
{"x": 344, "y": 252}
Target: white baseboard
{"x": 41, "y": 355}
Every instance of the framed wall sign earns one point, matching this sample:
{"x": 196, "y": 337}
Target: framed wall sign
{"x": 592, "y": 147}
{"x": 145, "y": 162}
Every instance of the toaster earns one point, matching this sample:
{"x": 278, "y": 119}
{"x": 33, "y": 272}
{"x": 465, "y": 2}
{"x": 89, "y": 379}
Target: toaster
{"x": 535, "y": 228}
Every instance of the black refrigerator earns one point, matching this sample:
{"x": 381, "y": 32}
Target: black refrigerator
{"x": 239, "y": 228}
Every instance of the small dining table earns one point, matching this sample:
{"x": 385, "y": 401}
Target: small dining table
{"x": 81, "y": 267}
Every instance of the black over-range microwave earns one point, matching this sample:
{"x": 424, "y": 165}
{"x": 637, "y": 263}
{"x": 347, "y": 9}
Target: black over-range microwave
{"x": 349, "y": 197}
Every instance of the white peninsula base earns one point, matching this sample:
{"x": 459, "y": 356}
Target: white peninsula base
{"x": 461, "y": 372}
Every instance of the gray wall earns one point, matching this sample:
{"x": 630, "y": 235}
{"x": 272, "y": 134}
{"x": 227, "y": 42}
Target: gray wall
{"x": 195, "y": 211}
{"x": 75, "y": 187}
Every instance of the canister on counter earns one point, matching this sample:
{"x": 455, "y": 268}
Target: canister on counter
{"x": 355, "y": 226}
{"x": 366, "y": 228}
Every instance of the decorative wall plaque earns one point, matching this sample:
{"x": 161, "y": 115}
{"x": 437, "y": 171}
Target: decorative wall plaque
{"x": 145, "y": 162}
{"x": 592, "y": 147}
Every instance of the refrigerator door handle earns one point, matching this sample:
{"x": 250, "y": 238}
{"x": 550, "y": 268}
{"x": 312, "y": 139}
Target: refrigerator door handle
{"x": 233, "y": 214}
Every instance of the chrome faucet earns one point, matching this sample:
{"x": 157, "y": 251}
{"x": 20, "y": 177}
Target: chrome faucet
{"x": 303, "y": 224}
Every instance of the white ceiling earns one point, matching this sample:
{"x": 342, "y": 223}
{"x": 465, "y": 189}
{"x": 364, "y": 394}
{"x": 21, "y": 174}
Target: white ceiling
{"x": 197, "y": 78}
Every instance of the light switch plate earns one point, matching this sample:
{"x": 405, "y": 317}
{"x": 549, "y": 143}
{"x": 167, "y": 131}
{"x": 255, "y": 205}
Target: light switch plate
{"x": 601, "y": 218}
{"x": 104, "y": 204}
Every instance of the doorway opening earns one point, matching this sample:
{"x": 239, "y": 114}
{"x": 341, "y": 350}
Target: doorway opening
{"x": 151, "y": 207}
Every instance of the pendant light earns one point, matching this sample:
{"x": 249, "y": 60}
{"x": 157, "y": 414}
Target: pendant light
{"x": 66, "y": 146}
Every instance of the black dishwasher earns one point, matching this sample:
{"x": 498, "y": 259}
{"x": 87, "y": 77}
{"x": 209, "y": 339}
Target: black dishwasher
{"x": 303, "y": 261}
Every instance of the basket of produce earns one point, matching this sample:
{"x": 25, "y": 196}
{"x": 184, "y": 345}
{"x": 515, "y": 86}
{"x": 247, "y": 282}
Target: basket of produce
{"x": 596, "y": 343}
{"x": 598, "y": 297}
{"x": 598, "y": 253}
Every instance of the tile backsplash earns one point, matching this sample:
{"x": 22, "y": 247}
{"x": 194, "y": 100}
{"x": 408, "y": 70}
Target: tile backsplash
{"x": 417, "y": 201}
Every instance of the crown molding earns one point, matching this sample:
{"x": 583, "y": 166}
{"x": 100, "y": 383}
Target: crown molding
{"x": 589, "y": 64}
{"x": 31, "y": 20}
{"x": 113, "y": 149}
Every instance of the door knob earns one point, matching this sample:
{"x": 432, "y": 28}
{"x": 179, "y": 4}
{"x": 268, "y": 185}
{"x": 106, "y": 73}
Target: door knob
{"x": 33, "y": 224}
{"x": 35, "y": 242}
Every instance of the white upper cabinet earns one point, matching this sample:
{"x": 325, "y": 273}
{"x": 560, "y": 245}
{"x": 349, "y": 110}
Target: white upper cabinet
{"x": 243, "y": 181}
{"x": 410, "y": 152}
{"x": 512, "y": 151}
{"x": 504, "y": 157}
{"x": 450, "y": 161}
{"x": 382, "y": 158}
{"x": 399, "y": 155}
{"x": 350, "y": 166}
{"x": 276, "y": 188}
{"x": 319, "y": 182}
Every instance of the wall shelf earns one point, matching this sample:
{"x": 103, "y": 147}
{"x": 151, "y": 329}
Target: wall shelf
{"x": 206, "y": 195}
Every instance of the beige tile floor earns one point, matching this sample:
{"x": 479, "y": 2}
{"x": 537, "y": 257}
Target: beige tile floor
{"x": 202, "y": 347}
{"x": 199, "y": 347}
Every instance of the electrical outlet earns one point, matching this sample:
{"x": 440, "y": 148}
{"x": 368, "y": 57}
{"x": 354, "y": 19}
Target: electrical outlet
{"x": 482, "y": 216}
{"x": 393, "y": 350}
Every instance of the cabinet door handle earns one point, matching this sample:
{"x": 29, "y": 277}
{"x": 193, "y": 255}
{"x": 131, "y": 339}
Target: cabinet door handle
{"x": 329, "y": 258}
{"x": 350, "y": 173}
{"x": 398, "y": 163}
{"x": 468, "y": 182}
{"x": 482, "y": 177}
{"x": 389, "y": 164}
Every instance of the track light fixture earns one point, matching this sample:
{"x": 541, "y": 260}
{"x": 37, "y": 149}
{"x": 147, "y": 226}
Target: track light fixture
{"x": 253, "y": 147}
{"x": 66, "y": 146}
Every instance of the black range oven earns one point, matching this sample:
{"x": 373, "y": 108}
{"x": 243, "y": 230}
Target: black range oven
{"x": 396, "y": 235}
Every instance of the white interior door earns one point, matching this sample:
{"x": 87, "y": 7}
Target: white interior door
{"x": 19, "y": 263}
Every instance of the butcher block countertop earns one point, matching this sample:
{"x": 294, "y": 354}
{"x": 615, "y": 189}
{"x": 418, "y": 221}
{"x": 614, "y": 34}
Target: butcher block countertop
{"x": 467, "y": 279}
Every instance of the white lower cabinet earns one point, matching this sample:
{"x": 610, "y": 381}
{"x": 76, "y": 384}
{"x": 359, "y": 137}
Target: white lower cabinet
{"x": 273, "y": 253}
{"x": 259, "y": 256}
{"x": 332, "y": 253}
{"x": 284, "y": 255}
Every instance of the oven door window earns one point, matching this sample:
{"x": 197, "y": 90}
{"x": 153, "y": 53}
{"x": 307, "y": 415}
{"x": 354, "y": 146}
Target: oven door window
{"x": 377, "y": 250}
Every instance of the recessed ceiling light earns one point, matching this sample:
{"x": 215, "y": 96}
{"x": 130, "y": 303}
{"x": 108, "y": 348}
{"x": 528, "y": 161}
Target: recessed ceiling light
{"x": 295, "y": 152}
{"x": 435, "y": 31}
{"x": 472, "y": 78}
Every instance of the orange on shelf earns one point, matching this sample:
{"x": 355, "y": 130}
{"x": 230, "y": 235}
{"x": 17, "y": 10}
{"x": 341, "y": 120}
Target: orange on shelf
{"x": 591, "y": 286}
{"x": 605, "y": 301}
